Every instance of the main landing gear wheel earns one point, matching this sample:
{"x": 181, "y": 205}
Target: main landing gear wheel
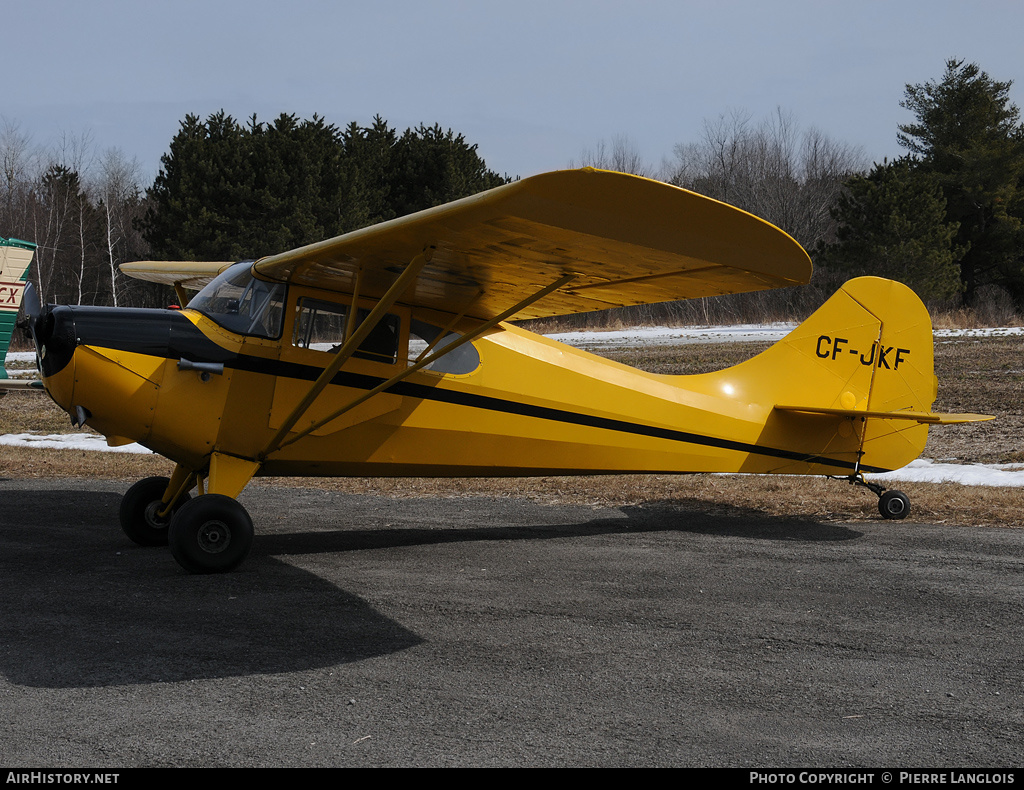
{"x": 139, "y": 509}
{"x": 894, "y": 504}
{"x": 210, "y": 534}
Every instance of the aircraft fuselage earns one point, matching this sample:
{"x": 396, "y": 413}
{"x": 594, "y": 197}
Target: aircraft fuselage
{"x": 521, "y": 404}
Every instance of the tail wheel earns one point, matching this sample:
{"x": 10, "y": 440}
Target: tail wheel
{"x": 210, "y": 534}
{"x": 894, "y": 504}
{"x": 140, "y": 508}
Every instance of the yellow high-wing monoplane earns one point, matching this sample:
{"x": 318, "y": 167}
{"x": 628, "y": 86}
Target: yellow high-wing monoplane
{"x": 385, "y": 352}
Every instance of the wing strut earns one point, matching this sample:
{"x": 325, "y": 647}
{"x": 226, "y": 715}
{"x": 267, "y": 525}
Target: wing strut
{"x": 421, "y": 362}
{"x": 350, "y": 324}
{"x": 349, "y": 346}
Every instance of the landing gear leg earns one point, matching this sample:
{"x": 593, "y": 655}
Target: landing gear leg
{"x": 891, "y": 504}
{"x": 213, "y": 533}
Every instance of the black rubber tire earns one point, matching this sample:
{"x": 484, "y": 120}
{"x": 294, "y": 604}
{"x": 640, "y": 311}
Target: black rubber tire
{"x": 894, "y": 505}
{"x": 138, "y": 511}
{"x": 210, "y": 534}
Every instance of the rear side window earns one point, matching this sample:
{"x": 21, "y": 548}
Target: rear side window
{"x": 464, "y": 359}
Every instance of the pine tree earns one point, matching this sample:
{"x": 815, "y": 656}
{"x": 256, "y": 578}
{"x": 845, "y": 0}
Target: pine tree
{"x": 368, "y": 154}
{"x": 892, "y": 223}
{"x": 228, "y": 191}
{"x": 431, "y": 166}
{"x": 968, "y": 135}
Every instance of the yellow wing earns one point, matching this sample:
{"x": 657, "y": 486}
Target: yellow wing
{"x": 628, "y": 240}
{"x": 189, "y": 274}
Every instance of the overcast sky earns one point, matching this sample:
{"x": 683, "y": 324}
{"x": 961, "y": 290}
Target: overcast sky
{"x": 534, "y": 84}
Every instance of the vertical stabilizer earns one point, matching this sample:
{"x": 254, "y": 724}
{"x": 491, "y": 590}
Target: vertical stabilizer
{"x": 851, "y": 388}
{"x": 15, "y": 257}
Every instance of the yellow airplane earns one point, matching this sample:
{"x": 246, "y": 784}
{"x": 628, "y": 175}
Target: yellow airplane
{"x": 387, "y": 352}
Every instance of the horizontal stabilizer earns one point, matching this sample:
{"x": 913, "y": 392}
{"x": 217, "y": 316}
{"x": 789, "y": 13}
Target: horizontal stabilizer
{"x": 930, "y": 418}
{"x": 20, "y": 384}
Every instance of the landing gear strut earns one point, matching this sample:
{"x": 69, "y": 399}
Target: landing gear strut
{"x": 141, "y": 508}
{"x": 891, "y": 504}
{"x": 210, "y": 533}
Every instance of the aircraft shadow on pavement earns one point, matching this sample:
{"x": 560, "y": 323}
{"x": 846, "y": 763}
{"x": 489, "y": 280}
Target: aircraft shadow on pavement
{"x": 686, "y": 517}
{"x": 84, "y": 607}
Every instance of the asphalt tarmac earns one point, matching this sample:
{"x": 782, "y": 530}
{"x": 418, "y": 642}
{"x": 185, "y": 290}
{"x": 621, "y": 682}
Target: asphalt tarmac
{"x": 365, "y": 631}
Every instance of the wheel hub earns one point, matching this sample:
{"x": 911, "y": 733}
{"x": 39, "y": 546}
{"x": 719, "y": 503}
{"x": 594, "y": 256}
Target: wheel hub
{"x": 151, "y": 514}
{"x": 214, "y": 536}
{"x": 895, "y": 506}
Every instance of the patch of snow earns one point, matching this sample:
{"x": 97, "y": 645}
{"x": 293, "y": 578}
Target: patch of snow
{"x": 1004, "y": 331}
{"x": 68, "y": 441}
{"x": 673, "y": 335}
{"x": 684, "y": 335}
{"x": 920, "y": 471}
{"x": 924, "y": 471}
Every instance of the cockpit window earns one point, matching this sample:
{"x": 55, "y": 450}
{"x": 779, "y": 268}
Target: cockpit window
{"x": 241, "y": 303}
{"x": 321, "y": 326}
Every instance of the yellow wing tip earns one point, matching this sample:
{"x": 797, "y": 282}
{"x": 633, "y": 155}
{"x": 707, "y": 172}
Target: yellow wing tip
{"x": 191, "y": 274}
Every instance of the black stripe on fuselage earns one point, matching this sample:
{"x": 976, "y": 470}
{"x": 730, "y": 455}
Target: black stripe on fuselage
{"x": 186, "y": 340}
{"x": 490, "y": 403}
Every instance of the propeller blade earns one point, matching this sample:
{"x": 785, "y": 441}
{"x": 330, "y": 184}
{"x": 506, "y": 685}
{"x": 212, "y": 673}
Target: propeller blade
{"x": 33, "y": 307}
{"x": 33, "y": 310}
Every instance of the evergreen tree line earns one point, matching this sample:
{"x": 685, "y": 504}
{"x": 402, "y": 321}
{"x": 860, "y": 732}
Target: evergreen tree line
{"x": 947, "y": 218}
{"x": 229, "y": 191}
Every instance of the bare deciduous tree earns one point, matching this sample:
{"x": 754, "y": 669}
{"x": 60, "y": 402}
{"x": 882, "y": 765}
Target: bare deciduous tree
{"x": 774, "y": 170}
{"x": 623, "y": 156}
{"x": 117, "y": 190}
{"x": 79, "y": 209}
{"x": 18, "y": 169}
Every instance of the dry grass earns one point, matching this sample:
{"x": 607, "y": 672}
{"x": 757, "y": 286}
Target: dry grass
{"x": 983, "y": 375}
{"x": 817, "y": 499}
{"x": 969, "y": 318}
{"x": 28, "y": 462}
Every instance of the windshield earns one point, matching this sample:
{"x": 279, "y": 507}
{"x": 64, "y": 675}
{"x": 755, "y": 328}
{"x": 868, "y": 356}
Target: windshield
{"x": 240, "y": 303}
